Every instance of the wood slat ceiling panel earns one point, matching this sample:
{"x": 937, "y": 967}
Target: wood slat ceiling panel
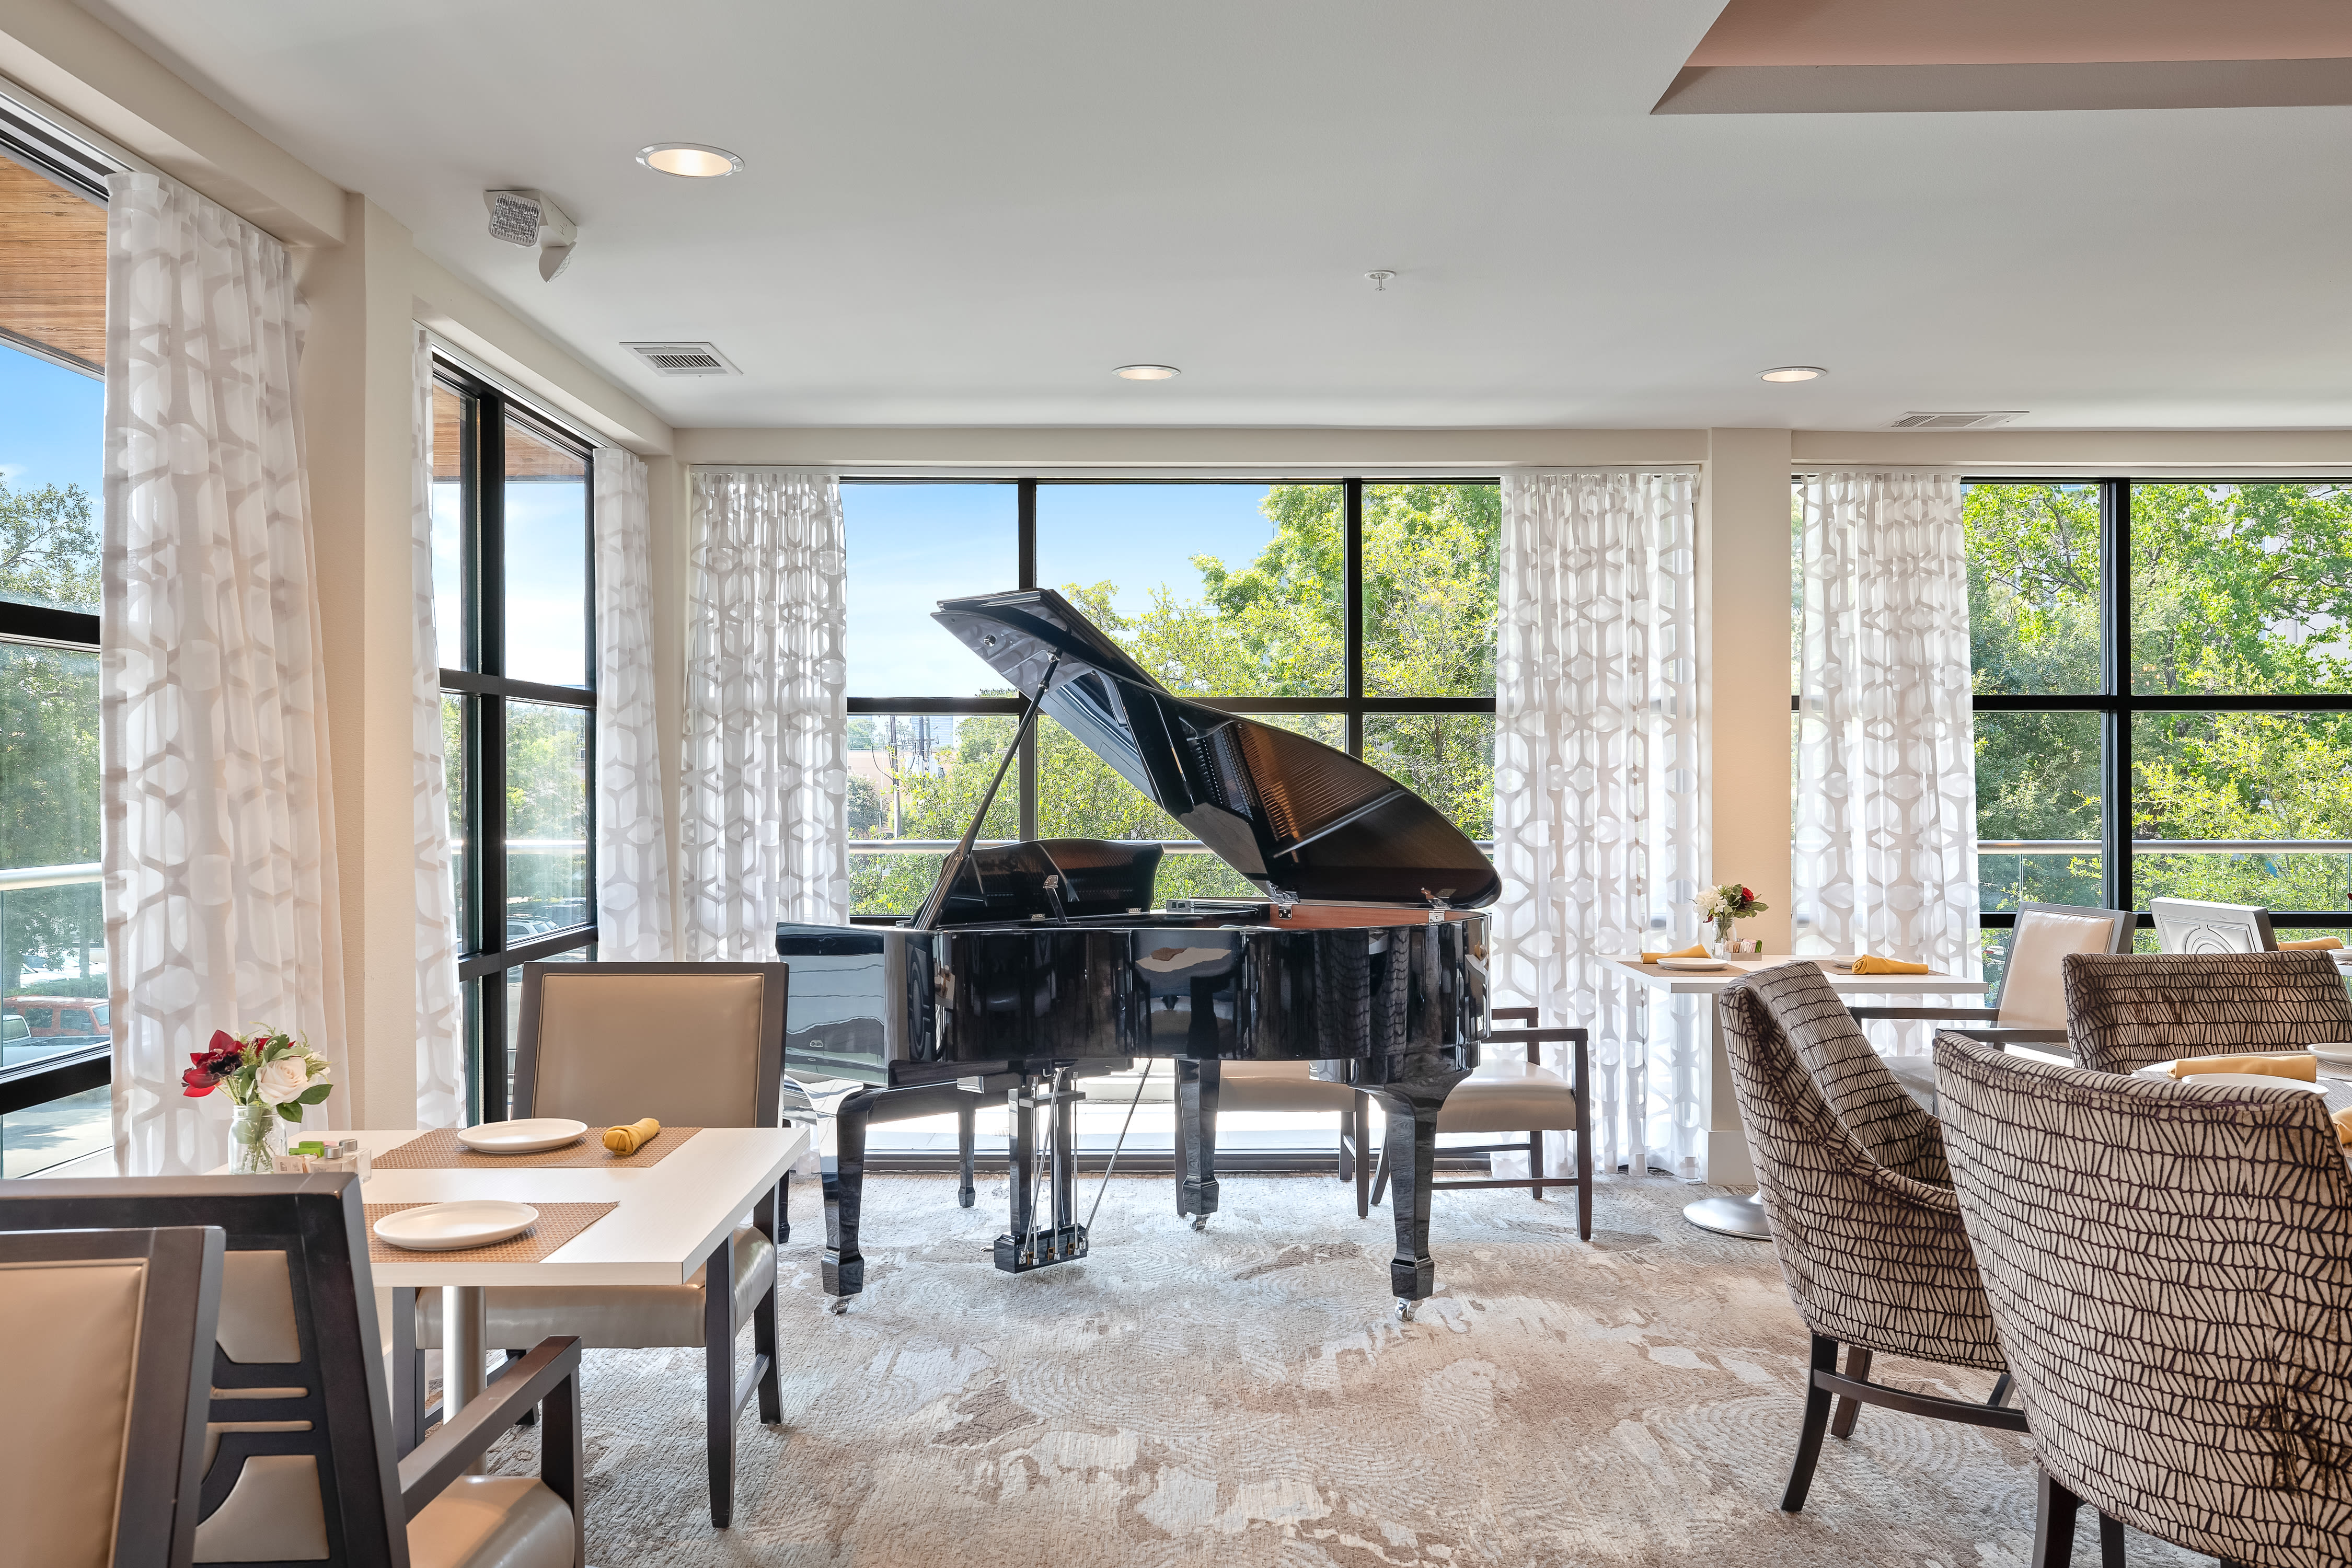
{"x": 52, "y": 266}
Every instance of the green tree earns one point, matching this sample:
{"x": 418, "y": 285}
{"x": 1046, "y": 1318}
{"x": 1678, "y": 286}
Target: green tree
{"x": 48, "y": 741}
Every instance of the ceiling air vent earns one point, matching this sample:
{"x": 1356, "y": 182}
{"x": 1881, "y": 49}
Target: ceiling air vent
{"x": 1916, "y": 420}
{"x": 683, "y": 359}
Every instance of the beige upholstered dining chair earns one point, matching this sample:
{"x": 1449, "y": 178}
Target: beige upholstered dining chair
{"x": 691, "y": 1045}
{"x": 2128, "y": 1011}
{"x": 106, "y": 1384}
{"x": 2030, "y": 1007}
{"x": 2169, "y": 1270}
{"x": 294, "y": 1464}
{"x": 1865, "y": 1221}
{"x": 1292, "y": 1087}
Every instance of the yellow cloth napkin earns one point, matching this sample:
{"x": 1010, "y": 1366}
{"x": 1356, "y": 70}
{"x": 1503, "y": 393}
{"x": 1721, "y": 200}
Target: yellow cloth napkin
{"x": 1694, "y": 952}
{"x": 2304, "y": 1068}
{"x": 1866, "y": 965}
{"x": 630, "y": 1139}
{"x": 2342, "y": 1120}
{"x": 2314, "y": 944}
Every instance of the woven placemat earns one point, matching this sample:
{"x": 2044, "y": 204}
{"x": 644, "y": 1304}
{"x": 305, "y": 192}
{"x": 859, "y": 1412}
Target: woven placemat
{"x": 440, "y": 1150}
{"x": 558, "y": 1223}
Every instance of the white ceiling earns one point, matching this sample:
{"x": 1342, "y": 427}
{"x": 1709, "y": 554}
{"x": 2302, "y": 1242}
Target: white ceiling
{"x": 957, "y": 212}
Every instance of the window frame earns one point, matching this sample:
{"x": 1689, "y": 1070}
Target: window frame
{"x": 484, "y": 690}
{"x": 2118, "y": 705}
{"x": 1351, "y": 705}
{"x": 28, "y": 140}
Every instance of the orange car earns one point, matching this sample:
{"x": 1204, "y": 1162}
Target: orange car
{"x": 81, "y": 1017}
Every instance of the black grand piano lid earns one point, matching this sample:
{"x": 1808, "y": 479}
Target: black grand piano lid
{"x": 1299, "y": 818}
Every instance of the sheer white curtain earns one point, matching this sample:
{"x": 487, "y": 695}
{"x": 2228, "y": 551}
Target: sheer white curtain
{"x": 219, "y": 853}
{"x": 1600, "y": 784}
{"x": 1885, "y": 848}
{"x": 440, "y": 1014}
{"x": 632, "y": 900}
{"x": 762, "y": 837}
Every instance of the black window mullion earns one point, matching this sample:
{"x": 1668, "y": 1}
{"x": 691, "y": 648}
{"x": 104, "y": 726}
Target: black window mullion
{"x": 1026, "y": 552}
{"x": 1352, "y": 642}
{"x": 2115, "y": 649}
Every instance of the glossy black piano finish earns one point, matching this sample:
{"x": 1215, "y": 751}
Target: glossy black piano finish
{"x": 1043, "y": 961}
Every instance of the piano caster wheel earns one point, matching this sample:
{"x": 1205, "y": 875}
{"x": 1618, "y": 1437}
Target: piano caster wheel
{"x": 1404, "y": 1310}
{"x": 1200, "y": 1222}
{"x": 835, "y": 1306}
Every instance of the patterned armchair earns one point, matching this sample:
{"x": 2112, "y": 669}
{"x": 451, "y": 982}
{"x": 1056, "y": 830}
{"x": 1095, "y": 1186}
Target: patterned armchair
{"x": 2126, "y": 1010}
{"x": 2169, "y": 1265}
{"x": 1863, "y": 1219}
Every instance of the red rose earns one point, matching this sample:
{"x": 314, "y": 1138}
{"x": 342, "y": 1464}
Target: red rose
{"x": 1746, "y": 897}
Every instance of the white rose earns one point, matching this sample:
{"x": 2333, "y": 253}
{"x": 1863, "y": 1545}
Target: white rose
{"x": 277, "y": 1082}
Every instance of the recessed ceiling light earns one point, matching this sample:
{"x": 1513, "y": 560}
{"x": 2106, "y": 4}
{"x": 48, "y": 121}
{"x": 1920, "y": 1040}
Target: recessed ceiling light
{"x": 1793, "y": 373}
{"x": 1146, "y": 373}
{"x": 689, "y": 159}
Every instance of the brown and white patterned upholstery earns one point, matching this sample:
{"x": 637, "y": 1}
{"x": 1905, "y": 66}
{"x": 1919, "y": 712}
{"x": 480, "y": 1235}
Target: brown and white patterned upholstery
{"x": 1867, "y": 1229}
{"x": 2126, "y": 1010}
{"x": 2170, "y": 1268}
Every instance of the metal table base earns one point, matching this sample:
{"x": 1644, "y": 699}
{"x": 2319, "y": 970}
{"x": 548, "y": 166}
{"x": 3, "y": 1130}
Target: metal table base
{"x": 1732, "y": 1217}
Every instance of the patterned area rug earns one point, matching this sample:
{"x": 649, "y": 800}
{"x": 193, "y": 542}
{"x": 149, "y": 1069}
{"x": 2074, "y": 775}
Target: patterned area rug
{"x": 1246, "y": 1395}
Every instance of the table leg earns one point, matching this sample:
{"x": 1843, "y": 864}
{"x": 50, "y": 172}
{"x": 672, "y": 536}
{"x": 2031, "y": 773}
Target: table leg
{"x": 1728, "y": 1162}
{"x": 465, "y": 1334}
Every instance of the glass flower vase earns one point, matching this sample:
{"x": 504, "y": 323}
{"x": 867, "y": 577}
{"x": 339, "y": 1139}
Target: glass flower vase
{"x": 256, "y": 1139}
{"x": 1720, "y": 947}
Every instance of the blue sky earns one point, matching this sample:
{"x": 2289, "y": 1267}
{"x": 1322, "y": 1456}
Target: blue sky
{"x": 51, "y": 424}
{"x": 913, "y": 545}
{"x": 547, "y": 579}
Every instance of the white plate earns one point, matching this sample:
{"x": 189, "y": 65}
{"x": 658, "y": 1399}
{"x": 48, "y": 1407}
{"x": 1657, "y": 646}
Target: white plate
{"x": 534, "y": 1136}
{"x": 2333, "y": 1054}
{"x": 1694, "y": 965}
{"x": 445, "y": 1228}
{"x": 2238, "y": 1079}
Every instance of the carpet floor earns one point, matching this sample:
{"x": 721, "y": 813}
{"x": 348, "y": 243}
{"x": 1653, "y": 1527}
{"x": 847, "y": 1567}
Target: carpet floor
{"x": 1246, "y": 1395}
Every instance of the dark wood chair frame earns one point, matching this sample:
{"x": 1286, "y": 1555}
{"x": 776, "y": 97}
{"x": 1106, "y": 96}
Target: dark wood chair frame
{"x": 171, "y": 1376}
{"x": 723, "y": 1396}
{"x": 1532, "y": 1145}
{"x": 1958, "y": 1019}
{"x": 319, "y": 1222}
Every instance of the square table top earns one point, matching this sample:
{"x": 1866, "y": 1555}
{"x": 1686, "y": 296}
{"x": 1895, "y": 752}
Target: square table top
{"x": 669, "y": 1215}
{"x": 1687, "y": 982}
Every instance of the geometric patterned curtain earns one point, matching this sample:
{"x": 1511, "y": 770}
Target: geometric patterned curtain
{"x": 440, "y": 1013}
{"x": 764, "y": 827}
{"x": 633, "y": 900}
{"x": 1885, "y": 858}
{"x": 221, "y": 903}
{"x": 1601, "y": 822}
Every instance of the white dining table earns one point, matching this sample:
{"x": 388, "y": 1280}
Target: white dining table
{"x": 670, "y": 1217}
{"x": 1728, "y": 1162}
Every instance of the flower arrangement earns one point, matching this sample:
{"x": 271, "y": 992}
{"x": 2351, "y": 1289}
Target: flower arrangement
{"x": 267, "y": 1075}
{"x": 1730, "y": 902}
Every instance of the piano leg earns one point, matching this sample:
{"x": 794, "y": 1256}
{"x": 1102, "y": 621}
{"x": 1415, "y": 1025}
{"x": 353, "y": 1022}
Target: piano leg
{"x": 844, "y": 1268}
{"x": 965, "y": 1195}
{"x": 1410, "y": 1159}
{"x": 1196, "y": 1139}
{"x": 1021, "y": 1168}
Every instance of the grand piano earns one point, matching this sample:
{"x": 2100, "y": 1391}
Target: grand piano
{"x": 1034, "y": 964}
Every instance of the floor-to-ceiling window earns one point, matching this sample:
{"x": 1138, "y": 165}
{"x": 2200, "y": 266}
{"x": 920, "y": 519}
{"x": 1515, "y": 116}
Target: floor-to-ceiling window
{"x": 54, "y": 1041}
{"x": 2164, "y": 695}
{"x": 1358, "y": 611}
{"x": 512, "y": 554}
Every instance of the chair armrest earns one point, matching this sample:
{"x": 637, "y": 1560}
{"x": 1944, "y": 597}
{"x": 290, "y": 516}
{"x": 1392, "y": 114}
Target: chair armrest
{"x": 442, "y": 1457}
{"x": 1533, "y": 1038}
{"x": 1924, "y": 1013}
{"x": 1931, "y": 1195}
{"x": 1997, "y": 1038}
